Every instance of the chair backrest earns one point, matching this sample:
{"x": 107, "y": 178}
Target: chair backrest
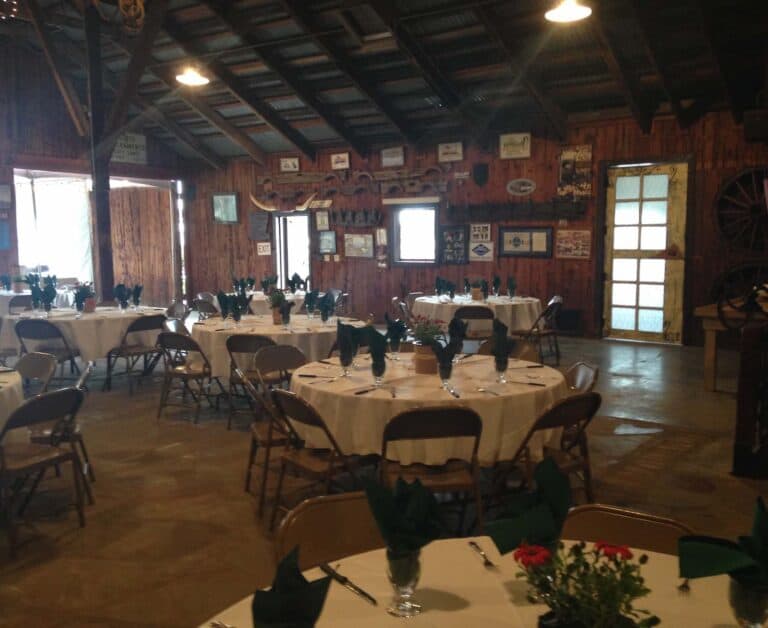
{"x": 474, "y": 312}
{"x": 178, "y": 310}
{"x": 548, "y": 317}
{"x": 264, "y": 399}
{"x": 242, "y": 348}
{"x": 405, "y": 312}
{"x": 20, "y": 303}
{"x": 521, "y": 351}
{"x": 596, "y": 522}
{"x": 327, "y": 528}
{"x": 176, "y": 326}
{"x": 411, "y": 299}
{"x": 574, "y": 412}
{"x": 274, "y": 357}
{"x": 37, "y": 365}
{"x": 206, "y": 296}
{"x": 154, "y": 322}
{"x": 581, "y": 377}
{"x": 294, "y": 409}
{"x": 50, "y": 406}
{"x": 170, "y": 343}
{"x": 205, "y": 307}
{"x": 336, "y": 294}
{"x": 433, "y": 422}
{"x": 39, "y": 329}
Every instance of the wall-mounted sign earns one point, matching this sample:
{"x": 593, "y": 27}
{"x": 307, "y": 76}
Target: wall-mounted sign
{"x": 480, "y": 232}
{"x": 450, "y": 151}
{"x": 263, "y": 248}
{"x": 515, "y": 145}
{"x": 289, "y": 164}
{"x": 339, "y": 161}
{"x": 321, "y": 221}
{"x": 481, "y": 251}
{"x": 131, "y": 148}
{"x": 392, "y": 157}
{"x": 521, "y": 187}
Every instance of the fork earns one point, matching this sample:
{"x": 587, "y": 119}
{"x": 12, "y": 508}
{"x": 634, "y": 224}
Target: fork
{"x": 486, "y": 561}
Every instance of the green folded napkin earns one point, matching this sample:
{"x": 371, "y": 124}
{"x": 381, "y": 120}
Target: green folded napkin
{"x": 502, "y": 343}
{"x": 396, "y": 330}
{"x": 251, "y": 283}
{"x": 445, "y": 354}
{"x": 268, "y": 282}
{"x": 408, "y": 516}
{"x": 536, "y": 517}
{"x": 224, "y": 304}
{"x": 295, "y": 282}
{"x": 285, "y": 311}
{"x": 293, "y": 601}
{"x": 457, "y": 330}
{"x": 136, "y": 294}
{"x": 511, "y": 286}
{"x": 310, "y": 300}
{"x": 496, "y": 284}
{"x": 326, "y": 306}
{"x": 484, "y": 288}
{"x": 122, "y": 294}
{"x": 746, "y": 561}
{"x": 377, "y": 343}
{"x": 346, "y": 337}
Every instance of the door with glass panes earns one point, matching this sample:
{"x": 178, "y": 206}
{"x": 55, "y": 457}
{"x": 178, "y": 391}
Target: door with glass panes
{"x": 645, "y": 252}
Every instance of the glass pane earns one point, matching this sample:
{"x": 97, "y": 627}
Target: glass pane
{"x": 653, "y": 270}
{"x": 624, "y": 270}
{"x": 650, "y": 320}
{"x": 417, "y": 234}
{"x": 627, "y": 187}
{"x": 653, "y": 238}
{"x": 624, "y": 294}
{"x": 651, "y": 295}
{"x": 655, "y": 213}
{"x": 625, "y": 238}
{"x": 655, "y": 186}
{"x": 627, "y": 213}
{"x": 623, "y": 318}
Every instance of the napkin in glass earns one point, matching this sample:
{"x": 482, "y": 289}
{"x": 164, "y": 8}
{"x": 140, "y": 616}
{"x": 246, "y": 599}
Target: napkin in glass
{"x": 326, "y": 306}
{"x": 496, "y": 284}
{"x": 484, "y": 288}
{"x": 395, "y": 328}
{"x": 408, "y": 516}
{"x": 511, "y": 286}
{"x": 136, "y": 294}
{"x": 377, "y": 345}
{"x": 535, "y": 517}
{"x": 224, "y": 304}
{"x": 310, "y": 300}
{"x": 502, "y": 344}
{"x": 285, "y": 311}
{"x": 122, "y": 294}
{"x": 293, "y": 601}
{"x": 346, "y": 337}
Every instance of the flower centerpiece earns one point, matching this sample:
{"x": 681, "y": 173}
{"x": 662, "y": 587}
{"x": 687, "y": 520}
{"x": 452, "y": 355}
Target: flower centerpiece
{"x": 276, "y": 300}
{"x": 269, "y": 283}
{"x": 426, "y": 332}
{"x": 586, "y": 587}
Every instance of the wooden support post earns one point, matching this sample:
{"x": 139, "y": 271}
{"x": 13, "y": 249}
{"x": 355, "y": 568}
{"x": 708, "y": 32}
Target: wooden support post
{"x": 104, "y": 276}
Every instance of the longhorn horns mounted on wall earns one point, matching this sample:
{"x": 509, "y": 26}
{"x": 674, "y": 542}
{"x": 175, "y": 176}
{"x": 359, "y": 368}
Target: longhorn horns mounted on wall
{"x": 299, "y": 208}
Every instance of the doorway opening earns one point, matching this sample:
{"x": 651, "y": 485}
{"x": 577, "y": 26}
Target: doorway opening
{"x": 291, "y": 247}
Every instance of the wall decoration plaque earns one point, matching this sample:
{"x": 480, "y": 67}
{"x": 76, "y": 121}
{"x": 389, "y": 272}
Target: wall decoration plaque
{"x": 358, "y": 244}
{"x": 573, "y": 243}
{"x": 514, "y": 146}
{"x": 525, "y": 241}
{"x": 575, "y": 179}
{"x": 453, "y": 244}
{"x": 225, "y": 208}
{"x": 450, "y": 151}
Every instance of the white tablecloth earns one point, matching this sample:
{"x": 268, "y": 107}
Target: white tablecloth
{"x": 456, "y": 590}
{"x": 515, "y": 313}
{"x": 94, "y": 334}
{"x": 312, "y": 336}
{"x": 357, "y": 421}
{"x": 64, "y": 298}
{"x": 11, "y": 394}
{"x": 260, "y": 303}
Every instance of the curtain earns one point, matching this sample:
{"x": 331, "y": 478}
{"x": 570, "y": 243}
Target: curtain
{"x": 53, "y": 224}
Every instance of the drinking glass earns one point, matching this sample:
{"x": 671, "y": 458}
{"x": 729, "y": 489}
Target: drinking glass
{"x": 394, "y": 345}
{"x": 501, "y": 369}
{"x": 445, "y": 370}
{"x": 403, "y": 571}
{"x": 378, "y": 367}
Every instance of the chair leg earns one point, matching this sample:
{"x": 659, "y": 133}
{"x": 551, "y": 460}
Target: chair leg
{"x": 163, "y": 395}
{"x": 230, "y": 400}
{"x": 278, "y": 495}
{"x": 557, "y": 350}
{"x": 6, "y": 507}
{"x": 78, "y": 478}
{"x": 107, "y": 385}
{"x": 587, "y": 470}
{"x": 197, "y": 403}
{"x": 88, "y": 466}
{"x": 32, "y": 490}
{"x": 83, "y": 477}
{"x": 251, "y": 458}
{"x": 264, "y": 474}
{"x": 479, "y": 507}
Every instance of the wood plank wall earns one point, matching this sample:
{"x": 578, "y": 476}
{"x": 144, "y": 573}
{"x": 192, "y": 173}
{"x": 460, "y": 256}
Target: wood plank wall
{"x": 141, "y": 235}
{"x": 715, "y": 144}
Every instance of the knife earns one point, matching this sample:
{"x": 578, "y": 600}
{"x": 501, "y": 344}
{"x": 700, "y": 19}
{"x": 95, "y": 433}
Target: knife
{"x": 326, "y": 362}
{"x": 365, "y": 390}
{"x": 525, "y": 383}
{"x": 346, "y": 582}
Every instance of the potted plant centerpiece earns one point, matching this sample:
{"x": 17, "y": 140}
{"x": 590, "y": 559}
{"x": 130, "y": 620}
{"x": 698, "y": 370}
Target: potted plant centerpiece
{"x": 426, "y": 332}
{"x": 276, "y": 300}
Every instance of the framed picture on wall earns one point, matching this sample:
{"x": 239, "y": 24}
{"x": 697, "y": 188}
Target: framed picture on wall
{"x": 392, "y": 157}
{"x": 514, "y": 146}
{"x": 289, "y": 164}
{"x": 225, "y": 208}
{"x": 453, "y": 244}
{"x": 339, "y": 161}
{"x": 573, "y": 243}
{"x": 358, "y": 245}
{"x": 326, "y": 242}
{"x": 525, "y": 241}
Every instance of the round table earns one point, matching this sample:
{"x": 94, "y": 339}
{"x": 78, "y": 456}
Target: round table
{"x": 455, "y": 589}
{"x": 357, "y": 420}
{"x": 94, "y": 334}
{"x": 11, "y": 393}
{"x": 311, "y": 335}
{"x": 260, "y": 304}
{"x": 64, "y": 298}
{"x": 516, "y": 313}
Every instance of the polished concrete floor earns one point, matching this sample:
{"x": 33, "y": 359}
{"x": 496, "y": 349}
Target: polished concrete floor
{"x": 172, "y": 537}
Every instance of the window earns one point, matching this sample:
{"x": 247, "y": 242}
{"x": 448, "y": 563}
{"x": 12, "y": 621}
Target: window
{"x": 414, "y": 235}
{"x": 292, "y": 246}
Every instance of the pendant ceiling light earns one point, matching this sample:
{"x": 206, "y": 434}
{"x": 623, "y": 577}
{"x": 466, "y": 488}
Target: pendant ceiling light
{"x": 568, "y": 11}
{"x": 9, "y": 9}
{"x": 192, "y": 77}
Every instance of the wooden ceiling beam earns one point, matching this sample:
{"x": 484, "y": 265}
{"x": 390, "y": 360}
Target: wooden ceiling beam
{"x": 554, "y": 113}
{"x": 275, "y": 63}
{"x": 336, "y": 54}
{"x": 140, "y": 57}
{"x": 247, "y": 96}
{"x": 414, "y": 51}
{"x": 628, "y": 83}
{"x": 67, "y": 90}
{"x": 645, "y": 17}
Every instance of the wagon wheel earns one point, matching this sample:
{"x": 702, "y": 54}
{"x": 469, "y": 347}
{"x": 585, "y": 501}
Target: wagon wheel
{"x": 741, "y": 210}
{"x": 738, "y": 289}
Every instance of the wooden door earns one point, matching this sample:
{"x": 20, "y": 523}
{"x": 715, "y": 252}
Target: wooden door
{"x": 645, "y": 252}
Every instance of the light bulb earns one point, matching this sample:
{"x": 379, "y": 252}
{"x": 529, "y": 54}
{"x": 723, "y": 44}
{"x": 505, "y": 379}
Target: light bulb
{"x": 192, "y": 77}
{"x": 568, "y": 11}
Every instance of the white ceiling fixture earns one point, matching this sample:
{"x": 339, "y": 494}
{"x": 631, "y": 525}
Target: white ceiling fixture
{"x": 568, "y": 11}
{"x": 191, "y": 77}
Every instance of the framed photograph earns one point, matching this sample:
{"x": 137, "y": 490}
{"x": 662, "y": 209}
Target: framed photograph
{"x": 340, "y": 161}
{"x": 327, "y": 242}
{"x": 573, "y": 243}
{"x": 525, "y": 241}
{"x": 225, "y": 208}
{"x": 514, "y": 146}
{"x": 381, "y": 236}
{"x": 289, "y": 164}
{"x": 481, "y": 251}
{"x": 321, "y": 221}
{"x": 358, "y": 244}
{"x": 452, "y": 243}
{"x": 480, "y": 232}
{"x": 392, "y": 157}
{"x": 575, "y": 177}
{"x": 450, "y": 151}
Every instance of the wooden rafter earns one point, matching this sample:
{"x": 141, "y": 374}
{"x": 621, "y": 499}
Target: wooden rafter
{"x": 628, "y": 83}
{"x": 241, "y": 91}
{"x": 303, "y": 17}
{"x": 141, "y": 54}
{"x": 68, "y": 93}
{"x": 411, "y": 48}
{"x": 554, "y": 113}
{"x": 645, "y": 18}
{"x": 287, "y": 74}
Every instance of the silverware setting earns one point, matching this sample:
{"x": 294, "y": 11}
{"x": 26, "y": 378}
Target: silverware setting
{"x": 325, "y": 381}
{"x": 509, "y": 381}
{"x": 451, "y": 390}
{"x": 347, "y": 583}
{"x": 485, "y": 390}
{"x": 220, "y": 624}
{"x": 486, "y": 561}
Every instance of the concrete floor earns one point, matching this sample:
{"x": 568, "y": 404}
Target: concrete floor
{"x": 172, "y": 538}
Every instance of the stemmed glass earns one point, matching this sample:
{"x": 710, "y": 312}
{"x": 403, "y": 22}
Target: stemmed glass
{"x": 345, "y": 358}
{"x": 378, "y": 367}
{"x": 394, "y": 345}
{"x": 445, "y": 369}
{"x": 501, "y": 369}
